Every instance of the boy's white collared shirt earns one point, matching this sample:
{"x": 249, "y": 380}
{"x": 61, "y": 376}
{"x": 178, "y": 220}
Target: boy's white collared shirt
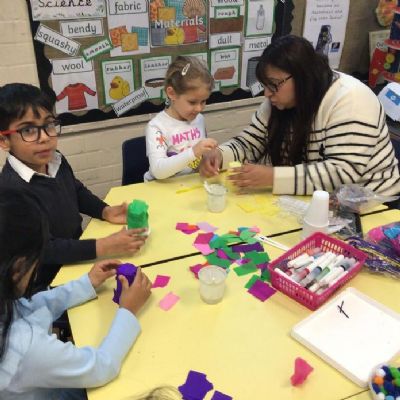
{"x": 26, "y": 173}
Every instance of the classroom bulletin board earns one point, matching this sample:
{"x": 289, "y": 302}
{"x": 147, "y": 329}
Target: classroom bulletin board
{"x": 102, "y": 59}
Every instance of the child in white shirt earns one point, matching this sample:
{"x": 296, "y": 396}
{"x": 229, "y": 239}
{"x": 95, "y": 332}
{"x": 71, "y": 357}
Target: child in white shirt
{"x": 176, "y": 137}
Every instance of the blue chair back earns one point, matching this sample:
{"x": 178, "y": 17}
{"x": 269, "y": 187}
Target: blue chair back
{"x": 134, "y": 160}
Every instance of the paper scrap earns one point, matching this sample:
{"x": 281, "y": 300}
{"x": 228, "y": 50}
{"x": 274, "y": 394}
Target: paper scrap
{"x": 220, "y": 396}
{"x": 161, "y": 281}
{"x": 206, "y": 227}
{"x": 186, "y": 228}
{"x": 245, "y": 248}
{"x": 251, "y": 281}
{"x": 196, "y": 386}
{"x": 196, "y": 268}
{"x": 261, "y": 290}
{"x": 301, "y": 371}
{"x": 257, "y": 257}
{"x": 213, "y": 259}
{"x": 168, "y": 301}
{"x": 244, "y": 269}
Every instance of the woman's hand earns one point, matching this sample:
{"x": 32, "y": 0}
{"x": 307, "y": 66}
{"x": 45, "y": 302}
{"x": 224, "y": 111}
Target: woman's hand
{"x": 210, "y": 163}
{"x": 252, "y": 176}
{"x": 101, "y": 271}
{"x": 115, "y": 214}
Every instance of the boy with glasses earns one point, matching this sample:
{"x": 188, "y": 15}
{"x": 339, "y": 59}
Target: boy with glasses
{"x": 29, "y": 133}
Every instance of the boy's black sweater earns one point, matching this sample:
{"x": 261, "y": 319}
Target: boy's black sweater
{"x": 64, "y": 198}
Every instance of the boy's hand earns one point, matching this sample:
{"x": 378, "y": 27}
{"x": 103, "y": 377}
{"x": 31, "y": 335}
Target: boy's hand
{"x": 115, "y": 214}
{"x": 203, "y": 146}
{"x": 126, "y": 241}
{"x": 101, "y": 271}
{"x": 135, "y": 296}
{"x": 211, "y": 163}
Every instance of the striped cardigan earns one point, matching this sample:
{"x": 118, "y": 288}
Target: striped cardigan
{"x": 349, "y": 143}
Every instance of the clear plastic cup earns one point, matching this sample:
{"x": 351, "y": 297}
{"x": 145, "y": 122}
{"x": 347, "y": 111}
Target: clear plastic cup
{"x": 216, "y": 197}
{"x": 212, "y": 284}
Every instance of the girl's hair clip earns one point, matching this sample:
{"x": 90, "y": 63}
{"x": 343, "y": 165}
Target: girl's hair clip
{"x": 185, "y": 69}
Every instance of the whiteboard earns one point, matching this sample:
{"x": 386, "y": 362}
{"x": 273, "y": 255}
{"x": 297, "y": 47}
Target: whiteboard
{"x": 353, "y": 333}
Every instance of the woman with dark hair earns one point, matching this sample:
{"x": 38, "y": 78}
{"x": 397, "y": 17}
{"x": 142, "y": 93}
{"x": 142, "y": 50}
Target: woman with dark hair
{"x": 316, "y": 129}
{"x": 34, "y": 365}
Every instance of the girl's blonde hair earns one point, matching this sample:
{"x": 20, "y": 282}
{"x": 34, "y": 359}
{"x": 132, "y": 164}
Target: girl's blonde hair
{"x": 184, "y": 70}
{"x": 162, "y": 393}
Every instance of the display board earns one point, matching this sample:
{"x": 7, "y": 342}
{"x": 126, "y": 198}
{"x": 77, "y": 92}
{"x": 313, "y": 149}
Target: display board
{"x": 102, "y": 59}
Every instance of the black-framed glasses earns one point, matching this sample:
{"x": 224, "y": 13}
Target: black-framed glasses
{"x": 32, "y": 133}
{"x": 273, "y": 87}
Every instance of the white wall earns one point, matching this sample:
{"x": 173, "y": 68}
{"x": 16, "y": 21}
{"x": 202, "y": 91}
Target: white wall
{"x": 94, "y": 149}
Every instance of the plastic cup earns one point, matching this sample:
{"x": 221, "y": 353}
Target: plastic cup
{"x": 212, "y": 284}
{"x": 216, "y": 197}
{"x": 316, "y": 218}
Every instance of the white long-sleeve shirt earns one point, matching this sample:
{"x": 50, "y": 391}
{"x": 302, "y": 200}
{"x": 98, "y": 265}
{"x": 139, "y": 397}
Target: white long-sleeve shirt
{"x": 36, "y": 364}
{"x": 169, "y": 145}
{"x": 349, "y": 143}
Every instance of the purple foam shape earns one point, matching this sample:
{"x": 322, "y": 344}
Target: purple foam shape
{"x": 129, "y": 271}
{"x": 220, "y": 396}
{"x": 261, "y": 290}
{"x": 196, "y": 386}
{"x": 245, "y": 248}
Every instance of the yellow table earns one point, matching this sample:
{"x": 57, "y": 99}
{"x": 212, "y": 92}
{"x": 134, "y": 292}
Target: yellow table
{"x": 242, "y": 344}
{"x": 183, "y": 199}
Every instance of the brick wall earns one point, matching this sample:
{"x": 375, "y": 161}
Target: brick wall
{"x": 94, "y": 149}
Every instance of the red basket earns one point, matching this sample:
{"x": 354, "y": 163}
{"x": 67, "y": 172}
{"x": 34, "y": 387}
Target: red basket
{"x": 326, "y": 243}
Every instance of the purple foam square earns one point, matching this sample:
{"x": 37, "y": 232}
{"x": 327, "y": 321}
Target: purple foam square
{"x": 220, "y": 396}
{"x": 196, "y": 386}
{"x": 261, "y": 290}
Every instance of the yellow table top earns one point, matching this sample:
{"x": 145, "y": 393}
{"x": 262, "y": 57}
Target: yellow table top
{"x": 183, "y": 199}
{"x": 242, "y": 344}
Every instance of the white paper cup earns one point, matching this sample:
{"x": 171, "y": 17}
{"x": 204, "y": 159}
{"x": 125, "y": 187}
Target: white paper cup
{"x": 317, "y": 213}
{"x": 309, "y": 229}
{"x": 212, "y": 284}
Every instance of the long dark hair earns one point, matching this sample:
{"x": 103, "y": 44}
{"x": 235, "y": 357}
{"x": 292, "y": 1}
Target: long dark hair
{"x": 312, "y": 78}
{"x": 17, "y": 98}
{"x": 23, "y": 233}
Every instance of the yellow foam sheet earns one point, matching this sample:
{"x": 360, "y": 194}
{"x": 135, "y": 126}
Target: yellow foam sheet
{"x": 242, "y": 344}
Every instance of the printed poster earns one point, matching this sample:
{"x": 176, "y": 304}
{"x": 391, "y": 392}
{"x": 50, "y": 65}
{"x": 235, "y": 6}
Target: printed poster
{"x": 128, "y": 27}
{"x": 177, "y": 22}
{"x": 74, "y": 83}
{"x": 252, "y": 50}
{"x": 66, "y": 9}
{"x": 259, "y": 17}
{"x": 225, "y": 66}
{"x": 152, "y": 72}
{"x": 325, "y": 27}
{"x": 118, "y": 79}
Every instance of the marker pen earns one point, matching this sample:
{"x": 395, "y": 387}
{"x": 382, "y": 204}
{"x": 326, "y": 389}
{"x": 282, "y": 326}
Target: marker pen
{"x": 293, "y": 263}
{"x": 313, "y": 272}
{"x": 304, "y": 272}
{"x": 336, "y": 272}
{"x": 315, "y": 284}
{"x": 280, "y": 272}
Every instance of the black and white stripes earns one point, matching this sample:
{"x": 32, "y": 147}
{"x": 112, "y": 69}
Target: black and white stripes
{"x": 350, "y": 143}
